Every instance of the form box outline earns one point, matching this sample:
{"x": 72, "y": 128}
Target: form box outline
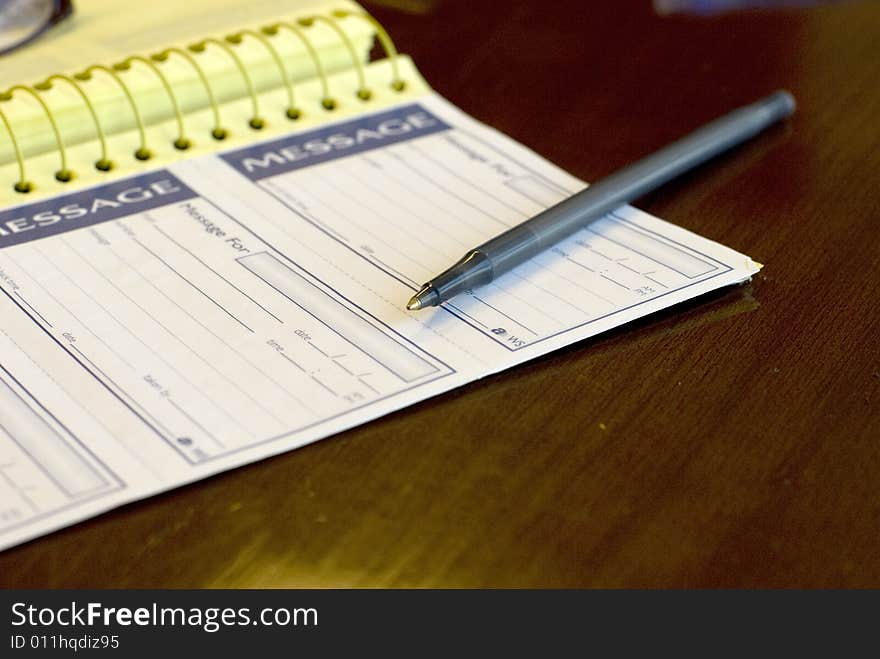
{"x": 115, "y": 483}
{"x": 47, "y": 448}
{"x": 399, "y": 359}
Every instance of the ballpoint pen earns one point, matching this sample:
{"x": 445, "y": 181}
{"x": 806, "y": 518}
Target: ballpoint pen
{"x": 490, "y": 260}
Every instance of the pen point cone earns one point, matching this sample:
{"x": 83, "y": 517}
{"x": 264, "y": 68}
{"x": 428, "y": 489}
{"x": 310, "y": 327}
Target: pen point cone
{"x": 426, "y": 297}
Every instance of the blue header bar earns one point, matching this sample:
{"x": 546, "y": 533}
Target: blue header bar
{"x": 88, "y": 207}
{"x": 344, "y": 139}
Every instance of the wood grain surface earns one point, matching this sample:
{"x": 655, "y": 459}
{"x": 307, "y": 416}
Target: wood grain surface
{"x": 730, "y": 441}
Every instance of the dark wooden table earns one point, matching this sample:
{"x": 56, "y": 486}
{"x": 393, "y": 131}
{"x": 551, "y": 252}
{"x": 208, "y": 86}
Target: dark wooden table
{"x": 730, "y": 441}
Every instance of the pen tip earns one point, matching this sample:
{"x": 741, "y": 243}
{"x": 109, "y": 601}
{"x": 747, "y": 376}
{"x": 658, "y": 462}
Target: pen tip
{"x": 426, "y": 297}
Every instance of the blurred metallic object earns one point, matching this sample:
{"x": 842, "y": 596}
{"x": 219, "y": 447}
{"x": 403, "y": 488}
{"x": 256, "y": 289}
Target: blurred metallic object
{"x": 22, "y": 21}
{"x": 408, "y": 6}
{"x": 664, "y": 7}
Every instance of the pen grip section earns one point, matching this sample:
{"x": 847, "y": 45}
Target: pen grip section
{"x": 474, "y": 269}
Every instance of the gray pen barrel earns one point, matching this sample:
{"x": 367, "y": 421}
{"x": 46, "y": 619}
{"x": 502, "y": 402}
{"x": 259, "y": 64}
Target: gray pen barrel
{"x": 524, "y": 241}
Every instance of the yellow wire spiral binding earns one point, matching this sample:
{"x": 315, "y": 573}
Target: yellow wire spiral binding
{"x": 398, "y": 84}
{"x": 181, "y": 143}
{"x": 103, "y": 164}
{"x": 256, "y": 121}
{"x": 292, "y": 112}
{"x": 363, "y": 92}
{"x": 327, "y": 101}
{"x": 218, "y": 132}
{"x": 142, "y": 153}
{"x": 22, "y": 185}
{"x": 64, "y": 174}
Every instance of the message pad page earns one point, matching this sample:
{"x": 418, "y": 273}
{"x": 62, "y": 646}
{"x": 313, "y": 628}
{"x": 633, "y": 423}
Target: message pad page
{"x": 171, "y": 325}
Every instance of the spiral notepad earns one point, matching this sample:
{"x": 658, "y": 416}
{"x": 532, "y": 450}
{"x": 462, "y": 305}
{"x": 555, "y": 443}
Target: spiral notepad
{"x": 208, "y": 253}
{"x": 93, "y": 122}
